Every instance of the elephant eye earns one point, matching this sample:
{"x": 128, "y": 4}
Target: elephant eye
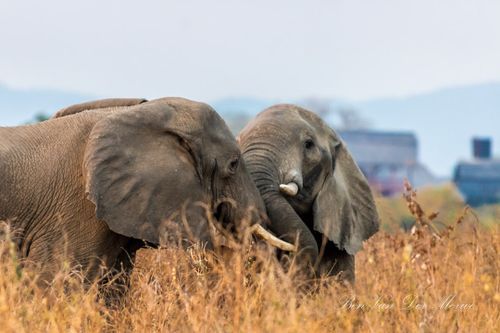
{"x": 309, "y": 144}
{"x": 233, "y": 165}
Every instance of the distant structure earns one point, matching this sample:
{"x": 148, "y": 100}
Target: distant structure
{"x": 479, "y": 179}
{"x": 387, "y": 159}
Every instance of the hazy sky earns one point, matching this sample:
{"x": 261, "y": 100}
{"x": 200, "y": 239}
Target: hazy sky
{"x": 271, "y": 49}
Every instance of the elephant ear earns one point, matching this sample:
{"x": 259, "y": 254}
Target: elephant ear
{"x": 344, "y": 209}
{"x": 141, "y": 168}
{"x": 98, "y": 104}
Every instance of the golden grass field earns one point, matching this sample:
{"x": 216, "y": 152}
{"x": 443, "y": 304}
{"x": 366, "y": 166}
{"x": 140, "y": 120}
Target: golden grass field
{"x": 442, "y": 276}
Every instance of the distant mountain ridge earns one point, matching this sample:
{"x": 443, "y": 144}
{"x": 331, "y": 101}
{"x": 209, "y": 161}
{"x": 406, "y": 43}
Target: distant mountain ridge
{"x": 480, "y": 101}
{"x": 478, "y": 96}
{"x": 444, "y": 120}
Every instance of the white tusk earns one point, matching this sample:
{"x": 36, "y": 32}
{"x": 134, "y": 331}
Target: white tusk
{"x": 273, "y": 240}
{"x": 290, "y": 189}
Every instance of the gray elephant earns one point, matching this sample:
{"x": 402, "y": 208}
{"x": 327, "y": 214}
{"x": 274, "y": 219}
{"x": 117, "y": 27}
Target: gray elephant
{"x": 312, "y": 188}
{"x": 99, "y": 180}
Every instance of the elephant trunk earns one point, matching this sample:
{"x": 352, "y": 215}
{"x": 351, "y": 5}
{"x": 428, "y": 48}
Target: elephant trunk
{"x": 285, "y": 222}
{"x": 289, "y": 226}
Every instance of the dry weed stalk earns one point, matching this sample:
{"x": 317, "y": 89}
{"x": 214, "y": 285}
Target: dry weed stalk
{"x": 426, "y": 234}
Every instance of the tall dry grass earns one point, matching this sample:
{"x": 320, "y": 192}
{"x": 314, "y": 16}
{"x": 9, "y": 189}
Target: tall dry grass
{"x": 431, "y": 279}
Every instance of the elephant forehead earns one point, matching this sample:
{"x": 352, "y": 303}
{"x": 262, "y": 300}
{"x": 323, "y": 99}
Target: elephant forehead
{"x": 181, "y": 103}
{"x": 285, "y": 111}
{"x": 294, "y": 114}
{"x": 194, "y": 117}
{"x": 290, "y": 124}
{"x": 203, "y": 112}
{"x": 183, "y": 107}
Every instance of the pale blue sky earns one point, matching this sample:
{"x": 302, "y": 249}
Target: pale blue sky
{"x": 268, "y": 49}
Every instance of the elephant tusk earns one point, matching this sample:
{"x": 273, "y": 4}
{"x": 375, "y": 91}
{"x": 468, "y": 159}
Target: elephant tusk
{"x": 290, "y": 189}
{"x": 273, "y": 240}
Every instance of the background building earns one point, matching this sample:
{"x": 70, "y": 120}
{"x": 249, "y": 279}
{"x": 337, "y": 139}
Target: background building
{"x": 479, "y": 179}
{"x": 387, "y": 159}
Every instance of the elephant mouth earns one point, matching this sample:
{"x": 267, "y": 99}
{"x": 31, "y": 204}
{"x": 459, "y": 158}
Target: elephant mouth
{"x": 222, "y": 214}
{"x": 299, "y": 188}
{"x": 301, "y": 201}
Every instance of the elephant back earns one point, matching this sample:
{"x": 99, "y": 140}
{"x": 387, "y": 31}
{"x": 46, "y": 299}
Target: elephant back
{"x": 99, "y": 104}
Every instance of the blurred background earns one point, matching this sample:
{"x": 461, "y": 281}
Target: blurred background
{"x": 412, "y": 86}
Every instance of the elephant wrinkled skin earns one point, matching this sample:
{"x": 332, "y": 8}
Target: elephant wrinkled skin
{"x": 98, "y": 181}
{"x": 312, "y": 188}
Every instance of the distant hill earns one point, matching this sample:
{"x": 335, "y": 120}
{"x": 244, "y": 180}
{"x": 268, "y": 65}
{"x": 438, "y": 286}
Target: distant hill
{"x": 444, "y": 120}
{"x": 20, "y": 106}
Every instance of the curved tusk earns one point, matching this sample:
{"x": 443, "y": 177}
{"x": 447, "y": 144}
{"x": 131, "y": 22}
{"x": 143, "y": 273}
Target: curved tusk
{"x": 290, "y": 189}
{"x": 273, "y": 240}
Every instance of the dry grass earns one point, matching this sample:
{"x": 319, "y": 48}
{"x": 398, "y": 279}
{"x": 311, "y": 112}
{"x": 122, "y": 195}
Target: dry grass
{"x": 432, "y": 279}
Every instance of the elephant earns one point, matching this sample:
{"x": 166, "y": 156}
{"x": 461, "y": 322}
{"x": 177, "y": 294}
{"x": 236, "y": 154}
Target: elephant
{"x": 100, "y": 180}
{"x": 314, "y": 192}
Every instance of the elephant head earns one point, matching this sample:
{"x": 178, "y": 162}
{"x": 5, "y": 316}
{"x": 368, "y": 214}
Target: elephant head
{"x": 156, "y": 161}
{"x": 309, "y": 181}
